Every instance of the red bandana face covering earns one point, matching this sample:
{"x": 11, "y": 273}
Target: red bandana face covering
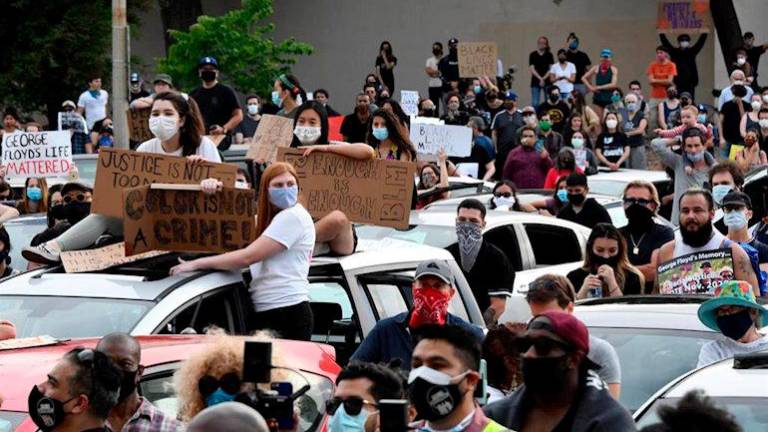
{"x": 430, "y": 306}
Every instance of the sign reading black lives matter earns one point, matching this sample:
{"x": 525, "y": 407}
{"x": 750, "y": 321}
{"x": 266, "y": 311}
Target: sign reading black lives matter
{"x": 376, "y": 192}
{"x": 696, "y": 273}
{"x": 177, "y": 218}
{"x": 37, "y": 154}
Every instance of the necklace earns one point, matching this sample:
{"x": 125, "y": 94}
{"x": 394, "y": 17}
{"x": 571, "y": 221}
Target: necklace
{"x": 636, "y": 246}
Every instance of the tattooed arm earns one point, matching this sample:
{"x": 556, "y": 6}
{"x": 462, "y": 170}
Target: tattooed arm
{"x": 742, "y": 268}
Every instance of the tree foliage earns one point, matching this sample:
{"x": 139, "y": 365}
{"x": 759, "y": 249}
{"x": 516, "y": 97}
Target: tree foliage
{"x": 248, "y": 57}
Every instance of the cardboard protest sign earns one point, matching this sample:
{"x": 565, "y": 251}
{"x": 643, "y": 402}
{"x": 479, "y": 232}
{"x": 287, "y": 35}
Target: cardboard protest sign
{"x": 409, "y": 101}
{"x": 90, "y": 260}
{"x": 156, "y": 217}
{"x": 273, "y": 132}
{"x": 375, "y": 192}
{"x": 683, "y": 16}
{"x": 72, "y": 121}
{"x": 696, "y": 273}
{"x": 29, "y": 342}
{"x": 120, "y": 169}
{"x": 37, "y": 154}
{"x": 334, "y": 128}
{"x": 138, "y": 124}
{"x": 477, "y": 59}
{"x": 428, "y": 138}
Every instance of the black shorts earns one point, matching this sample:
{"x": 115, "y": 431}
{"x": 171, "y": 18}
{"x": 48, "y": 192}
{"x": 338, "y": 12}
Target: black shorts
{"x": 291, "y": 322}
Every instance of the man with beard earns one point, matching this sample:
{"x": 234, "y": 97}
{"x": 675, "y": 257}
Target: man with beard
{"x": 353, "y": 127}
{"x": 132, "y": 413}
{"x": 643, "y": 236}
{"x": 697, "y": 234}
{"x": 561, "y": 391}
{"x": 485, "y": 266}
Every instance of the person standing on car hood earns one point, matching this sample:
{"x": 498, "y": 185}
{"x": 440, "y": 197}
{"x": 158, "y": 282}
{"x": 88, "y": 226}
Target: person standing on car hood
{"x": 561, "y": 391}
{"x": 735, "y": 313}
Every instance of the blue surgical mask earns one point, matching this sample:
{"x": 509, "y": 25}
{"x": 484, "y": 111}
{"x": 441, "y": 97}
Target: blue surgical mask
{"x": 34, "y": 193}
{"x": 380, "y": 133}
{"x": 217, "y": 397}
{"x": 477, "y": 89}
{"x": 284, "y": 197}
{"x": 343, "y": 422}
{"x": 574, "y": 45}
{"x": 735, "y": 219}
{"x": 695, "y": 157}
{"x": 719, "y": 192}
{"x": 701, "y": 118}
{"x": 276, "y": 98}
{"x": 562, "y": 195}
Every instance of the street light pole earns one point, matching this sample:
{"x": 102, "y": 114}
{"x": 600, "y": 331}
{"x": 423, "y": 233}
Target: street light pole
{"x": 119, "y": 73}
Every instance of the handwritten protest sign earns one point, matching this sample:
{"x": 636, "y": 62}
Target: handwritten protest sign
{"x": 72, "y": 121}
{"x": 29, "y": 342}
{"x": 428, "y": 120}
{"x": 376, "y": 192}
{"x": 696, "y": 273}
{"x": 683, "y": 16}
{"x": 273, "y": 132}
{"x": 90, "y": 260}
{"x": 120, "y": 169}
{"x": 156, "y": 217}
{"x": 37, "y": 154}
{"x": 409, "y": 101}
{"x": 477, "y": 59}
{"x": 138, "y": 124}
{"x": 428, "y": 138}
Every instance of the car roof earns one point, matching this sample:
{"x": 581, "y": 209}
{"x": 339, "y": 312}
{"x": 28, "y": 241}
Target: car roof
{"x": 628, "y": 175}
{"x": 676, "y": 314}
{"x": 525, "y": 197}
{"x": 384, "y": 252}
{"x": 721, "y": 379}
{"x": 20, "y": 369}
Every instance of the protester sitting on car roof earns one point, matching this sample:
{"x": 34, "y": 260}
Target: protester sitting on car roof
{"x": 71, "y": 206}
{"x": 735, "y": 313}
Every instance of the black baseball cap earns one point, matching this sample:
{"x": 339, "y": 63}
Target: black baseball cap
{"x": 737, "y": 198}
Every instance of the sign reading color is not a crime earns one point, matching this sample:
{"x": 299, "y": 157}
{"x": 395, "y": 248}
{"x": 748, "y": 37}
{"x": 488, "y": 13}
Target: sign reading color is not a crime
{"x": 156, "y": 217}
{"x": 477, "y": 59}
{"x": 122, "y": 169}
{"x": 377, "y": 192}
{"x": 37, "y": 154}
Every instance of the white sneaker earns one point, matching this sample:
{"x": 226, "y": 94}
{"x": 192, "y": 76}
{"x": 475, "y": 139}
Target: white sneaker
{"x": 41, "y": 254}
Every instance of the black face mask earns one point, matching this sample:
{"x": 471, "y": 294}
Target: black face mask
{"x": 735, "y": 325}
{"x": 127, "y": 385}
{"x": 554, "y": 98}
{"x": 545, "y": 375}
{"x": 640, "y": 217}
{"x": 598, "y": 260}
{"x": 57, "y": 212}
{"x": 47, "y": 413}
{"x": 433, "y": 401}
{"x": 76, "y": 211}
{"x": 576, "y": 199}
{"x": 697, "y": 238}
{"x": 208, "y": 76}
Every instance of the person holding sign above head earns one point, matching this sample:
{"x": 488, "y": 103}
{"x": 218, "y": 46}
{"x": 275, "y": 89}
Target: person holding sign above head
{"x": 432, "y": 178}
{"x": 35, "y": 199}
{"x": 176, "y": 134}
{"x": 279, "y": 257}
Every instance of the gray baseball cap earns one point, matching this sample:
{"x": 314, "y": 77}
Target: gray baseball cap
{"x": 163, "y": 78}
{"x": 435, "y": 268}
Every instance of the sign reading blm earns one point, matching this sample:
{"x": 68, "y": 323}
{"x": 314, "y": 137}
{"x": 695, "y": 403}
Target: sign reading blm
{"x": 376, "y": 192}
{"x": 121, "y": 169}
{"x": 37, "y": 154}
{"x": 477, "y": 59}
{"x": 160, "y": 217}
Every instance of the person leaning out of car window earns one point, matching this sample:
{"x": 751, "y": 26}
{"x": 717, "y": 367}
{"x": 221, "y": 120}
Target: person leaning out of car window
{"x": 278, "y": 259}
{"x": 606, "y": 271}
{"x": 735, "y": 313}
{"x": 580, "y": 209}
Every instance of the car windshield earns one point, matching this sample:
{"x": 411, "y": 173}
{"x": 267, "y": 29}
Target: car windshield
{"x": 614, "y": 188}
{"x": 71, "y": 317}
{"x": 21, "y": 232}
{"x": 616, "y": 212}
{"x": 12, "y": 417}
{"x": 86, "y": 168}
{"x": 749, "y": 412}
{"x": 650, "y": 358}
{"x": 431, "y": 235}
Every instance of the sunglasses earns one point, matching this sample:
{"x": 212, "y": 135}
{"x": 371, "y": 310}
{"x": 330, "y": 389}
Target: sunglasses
{"x": 79, "y": 198}
{"x": 544, "y": 346}
{"x": 230, "y": 383}
{"x": 352, "y": 405}
{"x": 503, "y": 194}
{"x": 641, "y": 201}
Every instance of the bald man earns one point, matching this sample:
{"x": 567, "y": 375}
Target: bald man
{"x": 132, "y": 413}
{"x": 228, "y": 416}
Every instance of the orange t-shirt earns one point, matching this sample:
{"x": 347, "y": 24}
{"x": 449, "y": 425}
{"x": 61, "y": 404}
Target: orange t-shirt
{"x": 660, "y": 71}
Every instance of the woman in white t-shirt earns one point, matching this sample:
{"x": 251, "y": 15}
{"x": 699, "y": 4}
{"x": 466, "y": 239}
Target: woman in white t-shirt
{"x": 562, "y": 74}
{"x": 177, "y": 134}
{"x": 279, "y": 257}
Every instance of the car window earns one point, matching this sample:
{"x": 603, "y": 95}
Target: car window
{"x": 650, "y": 358}
{"x": 71, "y": 317}
{"x": 618, "y": 217}
{"x": 387, "y": 299}
{"x": 21, "y": 233}
{"x": 542, "y": 238}
{"x": 217, "y": 310}
{"x": 504, "y": 238}
{"x": 749, "y": 412}
{"x": 182, "y": 319}
{"x": 332, "y": 293}
{"x": 158, "y": 389}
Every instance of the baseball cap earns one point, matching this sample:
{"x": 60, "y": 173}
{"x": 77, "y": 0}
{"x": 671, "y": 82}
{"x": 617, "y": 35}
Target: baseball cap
{"x": 529, "y": 109}
{"x": 702, "y": 108}
{"x": 135, "y": 77}
{"x": 565, "y": 326}
{"x": 163, "y": 78}
{"x": 452, "y": 41}
{"x": 686, "y": 95}
{"x": 510, "y": 95}
{"x": 730, "y": 293}
{"x": 208, "y": 60}
{"x": 69, "y": 103}
{"x": 737, "y": 198}
{"x": 606, "y": 52}
{"x": 435, "y": 268}
{"x": 75, "y": 186}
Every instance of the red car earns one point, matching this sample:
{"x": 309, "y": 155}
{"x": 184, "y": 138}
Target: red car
{"x": 20, "y": 369}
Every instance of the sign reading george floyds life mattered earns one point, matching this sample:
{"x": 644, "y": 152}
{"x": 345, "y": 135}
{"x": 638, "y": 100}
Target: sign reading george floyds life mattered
{"x": 37, "y": 154}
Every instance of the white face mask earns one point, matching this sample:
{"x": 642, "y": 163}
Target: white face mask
{"x": 577, "y": 142}
{"x": 738, "y": 82}
{"x": 740, "y": 61}
{"x": 763, "y": 123}
{"x": 307, "y": 134}
{"x": 756, "y": 106}
{"x": 253, "y": 109}
{"x": 530, "y": 120}
{"x": 611, "y": 123}
{"x": 684, "y": 44}
{"x": 163, "y": 127}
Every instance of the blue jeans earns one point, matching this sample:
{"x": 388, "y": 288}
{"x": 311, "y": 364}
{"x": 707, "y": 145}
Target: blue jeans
{"x": 536, "y": 95}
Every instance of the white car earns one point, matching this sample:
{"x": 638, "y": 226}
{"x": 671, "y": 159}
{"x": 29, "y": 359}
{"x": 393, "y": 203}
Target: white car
{"x": 612, "y": 183}
{"x": 738, "y": 385}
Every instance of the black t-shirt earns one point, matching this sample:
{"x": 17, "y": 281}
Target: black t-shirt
{"x": 247, "y": 127}
{"x": 479, "y": 156}
{"x": 612, "y": 145}
{"x": 634, "y": 122}
{"x": 646, "y": 242}
{"x": 491, "y": 272}
{"x": 449, "y": 67}
{"x": 387, "y": 75}
{"x": 631, "y": 281}
{"x": 753, "y": 57}
{"x": 216, "y": 104}
{"x": 558, "y": 114}
{"x": 581, "y": 60}
{"x": 591, "y": 214}
{"x": 133, "y": 96}
{"x": 353, "y": 130}
{"x": 540, "y": 62}
{"x": 731, "y": 117}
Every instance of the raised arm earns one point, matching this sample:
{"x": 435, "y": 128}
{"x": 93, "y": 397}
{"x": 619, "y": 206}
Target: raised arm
{"x": 358, "y": 151}
{"x": 261, "y": 249}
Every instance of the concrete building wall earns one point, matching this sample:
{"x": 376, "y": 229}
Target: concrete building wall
{"x": 752, "y": 15}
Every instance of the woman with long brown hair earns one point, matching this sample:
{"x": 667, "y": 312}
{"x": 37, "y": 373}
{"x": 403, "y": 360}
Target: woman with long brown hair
{"x": 35, "y": 198}
{"x": 279, "y": 257}
{"x": 389, "y": 138}
{"x": 607, "y": 271}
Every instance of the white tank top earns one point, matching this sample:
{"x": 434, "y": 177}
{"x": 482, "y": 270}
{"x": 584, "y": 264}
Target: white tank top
{"x": 716, "y": 242}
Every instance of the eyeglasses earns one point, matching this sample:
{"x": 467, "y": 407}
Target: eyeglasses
{"x": 79, "y": 198}
{"x": 544, "y": 346}
{"x": 641, "y": 201}
{"x": 352, "y": 405}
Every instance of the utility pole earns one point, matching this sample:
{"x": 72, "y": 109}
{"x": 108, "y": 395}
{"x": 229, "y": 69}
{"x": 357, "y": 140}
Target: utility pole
{"x": 120, "y": 72}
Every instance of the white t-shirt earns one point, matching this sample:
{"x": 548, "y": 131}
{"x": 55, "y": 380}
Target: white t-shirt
{"x": 206, "y": 149}
{"x": 560, "y": 72}
{"x": 726, "y": 347}
{"x": 281, "y": 280}
{"x": 434, "y": 82}
{"x": 95, "y": 108}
